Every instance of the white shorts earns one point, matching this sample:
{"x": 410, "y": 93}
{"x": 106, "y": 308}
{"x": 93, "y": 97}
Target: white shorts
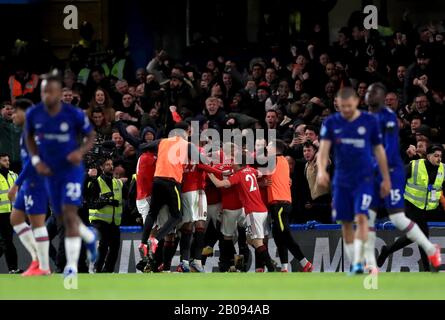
{"x": 257, "y": 225}
{"x": 194, "y": 206}
{"x": 213, "y": 213}
{"x": 143, "y": 207}
{"x": 230, "y": 220}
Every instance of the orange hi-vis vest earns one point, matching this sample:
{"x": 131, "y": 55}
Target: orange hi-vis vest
{"x": 15, "y": 87}
{"x": 172, "y": 156}
{"x": 280, "y": 188}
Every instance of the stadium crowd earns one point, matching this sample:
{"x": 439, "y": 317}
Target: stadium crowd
{"x": 291, "y": 91}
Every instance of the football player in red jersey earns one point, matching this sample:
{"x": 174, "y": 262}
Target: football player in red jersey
{"x": 245, "y": 178}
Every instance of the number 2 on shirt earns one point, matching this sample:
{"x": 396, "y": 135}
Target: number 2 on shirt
{"x": 250, "y": 178}
{"x": 73, "y": 190}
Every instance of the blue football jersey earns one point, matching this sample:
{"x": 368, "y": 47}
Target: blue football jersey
{"x": 57, "y": 135}
{"x": 352, "y": 142}
{"x": 389, "y": 128}
{"x": 28, "y": 172}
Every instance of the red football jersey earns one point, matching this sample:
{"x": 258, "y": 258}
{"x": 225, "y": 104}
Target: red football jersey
{"x": 249, "y": 192}
{"x": 230, "y": 196}
{"x": 145, "y": 171}
{"x": 194, "y": 177}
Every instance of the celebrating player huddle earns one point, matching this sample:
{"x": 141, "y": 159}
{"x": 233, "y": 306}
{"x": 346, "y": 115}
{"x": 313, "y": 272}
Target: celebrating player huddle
{"x": 188, "y": 199}
{"x": 178, "y": 206}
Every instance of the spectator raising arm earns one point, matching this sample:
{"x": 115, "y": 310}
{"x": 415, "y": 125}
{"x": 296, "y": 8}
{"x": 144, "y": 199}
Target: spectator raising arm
{"x": 322, "y": 163}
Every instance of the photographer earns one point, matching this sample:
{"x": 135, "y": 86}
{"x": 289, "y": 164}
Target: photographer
{"x": 104, "y": 196}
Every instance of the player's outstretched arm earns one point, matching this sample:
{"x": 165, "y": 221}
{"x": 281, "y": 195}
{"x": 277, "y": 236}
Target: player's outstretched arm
{"x": 219, "y": 183}
{"x": 380, "y": 155}
{"x": 322, "y": 163}
{"x": 209, "y": 169}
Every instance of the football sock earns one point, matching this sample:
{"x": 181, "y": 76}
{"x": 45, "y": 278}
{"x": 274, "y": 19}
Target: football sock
{"x": 199, "y": 243}
{"x": 349, "y": 250}
{"x": 24, "y": 232}
{"x": 303, "y": 262}
{"x": 42, "y": 243}
{"x": 259, "y": 263}
{"x": 265, "y": 257}
{"x": 358, "y": 251}
{"x": 370, "y": 243}
{"x": 284, "y": 266}
{"x": 412, "y": 231}
{"x": 146, "y": 229}
{"x": 86, "y": 234}
{"x": 168, "y": 253}
{"x": 72, "y": 251}
{"x": 184, "y": 245}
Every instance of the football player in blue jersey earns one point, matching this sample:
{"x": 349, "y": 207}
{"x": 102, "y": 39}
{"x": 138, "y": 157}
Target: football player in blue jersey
{"x": 355, "y": 137}
{"x": 394, "y": 202}
{"x": 58, "y": 135}
{"x": 31, "y": 201}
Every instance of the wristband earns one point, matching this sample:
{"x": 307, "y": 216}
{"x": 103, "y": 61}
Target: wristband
{"x": 35, "y": 160}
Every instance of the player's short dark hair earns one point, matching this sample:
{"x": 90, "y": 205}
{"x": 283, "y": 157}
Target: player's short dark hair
{"x": 104, "y": 159}
{"x": 346, "y": 93}
{"x": 313, "y": 128}
{"x": 53, "y": 76}
{"x": 98, "y": 110}
{"x": 421, "y": 94}
{"x": 182, "y": 125}
{"x": 379, "y": 86}
{"x": 280, "y": 145}
{"x": 5, "y": 103}
{"x": 309, "y": 144}
{"x": 272, "y": 110}
{"x": 257, "y": 64}
{"x": 22, "y": 104}
{"x": 4, "y": 154}
{"x": 98, "y": 69}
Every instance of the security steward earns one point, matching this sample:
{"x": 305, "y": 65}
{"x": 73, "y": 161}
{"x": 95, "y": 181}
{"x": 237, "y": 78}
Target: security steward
{"x": 423, "y": 191}
{"x": 7, "y": 179}
{"x": 104, "y": 196}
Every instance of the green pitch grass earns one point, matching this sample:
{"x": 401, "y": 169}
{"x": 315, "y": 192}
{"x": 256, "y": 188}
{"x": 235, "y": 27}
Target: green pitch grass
{"x": 226, "y": 286}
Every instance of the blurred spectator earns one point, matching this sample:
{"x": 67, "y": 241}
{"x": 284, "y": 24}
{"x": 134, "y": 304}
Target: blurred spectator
{"x": 318, "y": 203}
{"x": 10, "y": 136}
{"x": 67, "y": 95}
{"x": 23, "y": 84}
{"x": 101, "y": 99}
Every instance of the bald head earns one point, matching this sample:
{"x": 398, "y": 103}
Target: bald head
{"x": 51, "y": 92}
{"x": 375, "y": 95}
{"x": 134, "y": 131}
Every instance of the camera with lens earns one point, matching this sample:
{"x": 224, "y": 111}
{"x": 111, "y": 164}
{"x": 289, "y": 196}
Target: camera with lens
{"x": 100, "y": 150}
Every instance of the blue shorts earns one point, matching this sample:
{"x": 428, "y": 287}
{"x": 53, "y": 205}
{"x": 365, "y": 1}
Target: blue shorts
{"x": 32, "y": 198}
{"x": 395, "y": 199}
{"x": 65, "y": 187}
{"x": 350, "y": 201}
